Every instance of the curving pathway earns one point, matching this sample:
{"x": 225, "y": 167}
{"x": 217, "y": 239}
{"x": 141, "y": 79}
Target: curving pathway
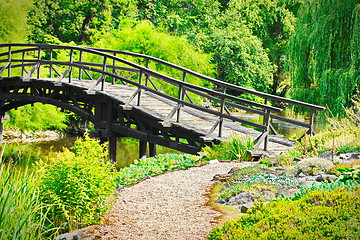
{"x": 169, "y": 206}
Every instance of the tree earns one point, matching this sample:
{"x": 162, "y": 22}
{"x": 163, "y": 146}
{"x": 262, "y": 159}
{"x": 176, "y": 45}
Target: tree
{"x": 13, "y": 27}
{"x": 273, "y": 24}
{"x": 240, "y": 57}
{"x": 325, "y": 53}
{"x": 76, "y": 20}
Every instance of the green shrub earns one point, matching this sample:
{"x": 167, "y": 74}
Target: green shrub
{"x": 147, "y": 167}
{"x": 317, "y": 215}
{"x": 233, "y": 149}
{"x": 20, "y": 207}
{"x": 78, "y": 184}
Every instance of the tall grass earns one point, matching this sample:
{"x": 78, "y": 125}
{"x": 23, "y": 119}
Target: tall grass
{"x": 21, "y": 212}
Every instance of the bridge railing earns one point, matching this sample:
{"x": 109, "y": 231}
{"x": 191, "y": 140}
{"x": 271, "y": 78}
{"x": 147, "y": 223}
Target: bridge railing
{"x": 99, "y": 65}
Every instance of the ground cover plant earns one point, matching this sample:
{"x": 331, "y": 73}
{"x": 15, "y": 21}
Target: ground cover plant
{"x": 317, "y": 215}
{"x": 147, "y": 167}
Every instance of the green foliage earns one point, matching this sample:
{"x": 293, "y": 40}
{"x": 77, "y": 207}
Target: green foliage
{"x": 13, "y": 15}
{"x": 233, "y": 149}
{"x": 21, "y": 211}
{"x": 77, "y": 184}
{"x": 147, "y": 167}
{"x": 76, "y": 20}
{"x": 317, "y": 215}
{"x": 35, "y": 118}
{"x": 272, "y": 23}
{"x": 145, "y": 39}
{"x": 325, "y": 55}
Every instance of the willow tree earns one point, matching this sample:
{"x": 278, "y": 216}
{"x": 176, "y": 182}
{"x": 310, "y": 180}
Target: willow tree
{"x": 324, "y": 53}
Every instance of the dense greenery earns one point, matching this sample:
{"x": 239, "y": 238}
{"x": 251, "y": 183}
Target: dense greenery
{"x": 317, "y": 215}
{"x": 36, "y": 117}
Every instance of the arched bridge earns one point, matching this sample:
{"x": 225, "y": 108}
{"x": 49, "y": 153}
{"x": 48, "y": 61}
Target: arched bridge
{"x": 120, "y": 93}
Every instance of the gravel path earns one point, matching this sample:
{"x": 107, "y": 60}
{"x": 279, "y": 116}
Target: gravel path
{"x": 169, "y": 206}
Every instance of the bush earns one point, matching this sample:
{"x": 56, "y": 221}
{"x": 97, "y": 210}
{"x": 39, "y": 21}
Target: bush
{"x": 318, "y": 215}
{"x": 233, "y": 149}
{"x": 78, "y": 184}
{"x": 147, "y": 167}
{"x": 20, "y": 206}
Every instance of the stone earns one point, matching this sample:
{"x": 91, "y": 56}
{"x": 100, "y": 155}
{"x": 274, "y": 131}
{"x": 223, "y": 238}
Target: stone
{"x": 288, "y": 192}
{"x": 221, "y": 177}
{"x": 245, "y": 207}
{"x": 242, "y": 198}
{"x": 268, "y": 195}
{"x": 327, "y": 155}
{"x": 234, "y": 170}
{"x": 215, "y": 161}
{"x": 349, "y": 157}
{"x": 326, "y": 177}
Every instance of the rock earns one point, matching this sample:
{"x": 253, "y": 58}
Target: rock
{"x": 313, "y": 166}
{"x": 327, "y": 155}
{"x": 287, "y": 192}
{"x": 242, "y": 198}
{"x": 221, "y": 177}
{"x": 245, "y": 207}
{"x": 349, "y": 157}
{"x": 268, "y": 195}
{"x": 234, "y": 170}
{"x": 215, "y": 161}
{"x": 326, "y": 177}
{"x": 80, "y": 234}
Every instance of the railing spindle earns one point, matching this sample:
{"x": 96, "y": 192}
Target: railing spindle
{"x": 104, "y": 69}
{"x": 222, "y": 107}
{"x": 22, "y": 63}
{"x": 71, "y": 61}
{"x": 80, "y": 69}
{"x": 39, "y": 59}
{"x": 9, "y": 60}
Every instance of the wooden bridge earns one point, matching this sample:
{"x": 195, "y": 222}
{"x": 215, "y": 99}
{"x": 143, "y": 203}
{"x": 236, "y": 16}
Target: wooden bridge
{"x": 120, "y": 93}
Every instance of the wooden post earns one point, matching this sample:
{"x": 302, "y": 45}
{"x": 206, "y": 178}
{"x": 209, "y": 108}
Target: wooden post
{"x": 9, "y": 60}
{"x": 39, "y": 59}
{"x": 152, "y": 149}
{"x": 112, "y": 149}
{"x": 311, "y": 131}
{"x": 267, "y": 124}
{"x": 142, "y": 149}
{"x": 222, "y": 107}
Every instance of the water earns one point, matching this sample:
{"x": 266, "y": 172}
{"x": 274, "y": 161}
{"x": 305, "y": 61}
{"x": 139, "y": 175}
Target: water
{"x": 24, "y": 154}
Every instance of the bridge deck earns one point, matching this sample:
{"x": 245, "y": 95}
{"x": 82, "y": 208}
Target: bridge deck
{"x": 190, "y": 118}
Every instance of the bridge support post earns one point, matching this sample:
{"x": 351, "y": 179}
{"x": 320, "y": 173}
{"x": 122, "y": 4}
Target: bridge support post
{"x": 152, "y": 149}
{"x": 112, "y": 149}
{"x": 142, "y": 149}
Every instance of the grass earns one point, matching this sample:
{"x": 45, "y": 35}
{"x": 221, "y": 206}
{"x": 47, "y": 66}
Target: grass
{"x": 21, "y": 212}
